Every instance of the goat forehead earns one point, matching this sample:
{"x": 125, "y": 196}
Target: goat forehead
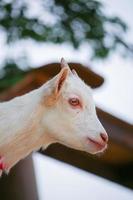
{"x": 77, "y": 86}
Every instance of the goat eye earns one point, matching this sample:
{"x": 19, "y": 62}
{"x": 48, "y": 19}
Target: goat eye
{"x": 74, "y": 102}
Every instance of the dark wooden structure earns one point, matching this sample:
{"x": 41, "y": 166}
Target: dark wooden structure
{"x": 115, "y": 164}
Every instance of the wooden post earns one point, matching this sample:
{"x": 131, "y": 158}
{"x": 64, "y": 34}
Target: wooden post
{"x": 20, "y": 184}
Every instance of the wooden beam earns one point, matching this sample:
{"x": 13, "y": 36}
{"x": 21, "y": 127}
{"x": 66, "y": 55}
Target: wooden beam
{"x": 90, "y": 163}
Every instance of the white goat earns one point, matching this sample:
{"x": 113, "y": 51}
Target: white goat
{"x": 62, "y": 110}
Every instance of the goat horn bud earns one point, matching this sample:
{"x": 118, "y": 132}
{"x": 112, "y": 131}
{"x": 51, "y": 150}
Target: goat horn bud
{"x": 64, "y": 63}
{"x": 74, "y": 72}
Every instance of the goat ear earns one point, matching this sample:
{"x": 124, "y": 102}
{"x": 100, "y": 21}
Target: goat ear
{"x": 61, "y": 78}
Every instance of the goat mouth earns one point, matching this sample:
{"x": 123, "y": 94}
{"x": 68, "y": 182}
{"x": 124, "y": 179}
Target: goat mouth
{"x": 97, "y": 144}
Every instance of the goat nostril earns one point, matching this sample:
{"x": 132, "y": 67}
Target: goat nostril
{"x": 104, "y": 137}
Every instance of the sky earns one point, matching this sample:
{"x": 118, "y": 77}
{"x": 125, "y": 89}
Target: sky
{"x": 116, "y": 95}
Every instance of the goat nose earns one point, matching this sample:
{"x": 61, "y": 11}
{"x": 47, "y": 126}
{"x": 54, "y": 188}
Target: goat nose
{"x": 104, "y": 137}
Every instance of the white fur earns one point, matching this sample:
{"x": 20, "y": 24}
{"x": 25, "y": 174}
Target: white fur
{"x": 27, "y": 123}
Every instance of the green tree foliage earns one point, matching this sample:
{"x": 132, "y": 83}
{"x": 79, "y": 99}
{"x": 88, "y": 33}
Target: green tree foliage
{"x": 58, "y": 21}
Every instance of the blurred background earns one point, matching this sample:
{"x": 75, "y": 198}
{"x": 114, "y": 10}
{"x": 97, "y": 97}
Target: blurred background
{"x": 96, "y": 38}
